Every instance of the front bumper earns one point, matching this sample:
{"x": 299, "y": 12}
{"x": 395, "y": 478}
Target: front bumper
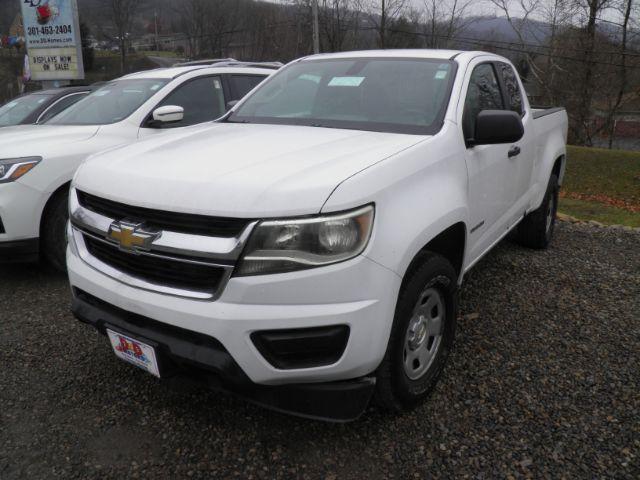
{"x": 20, "y": 212}
{"x": 358, "y": 293}
{"x": 182, "y": 353}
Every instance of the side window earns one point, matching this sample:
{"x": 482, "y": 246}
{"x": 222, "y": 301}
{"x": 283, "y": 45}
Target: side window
{"x": 60, "y": 105}
{"x": 202, "y": 100}
{"x": 512, "y": 88}
{"x": 243, "y": 84}
{"x": 483, "y": 94}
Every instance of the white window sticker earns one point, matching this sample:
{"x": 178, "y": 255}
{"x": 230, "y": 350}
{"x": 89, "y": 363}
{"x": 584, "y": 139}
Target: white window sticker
{"x": 216, "y": 84}
{"x": 346, "y": 81}
{"x": 440, "y": 74}
{"x": 309, "y": 76}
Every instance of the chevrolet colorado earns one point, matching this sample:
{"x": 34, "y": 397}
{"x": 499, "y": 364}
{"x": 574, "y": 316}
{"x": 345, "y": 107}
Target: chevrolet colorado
{"x": 37, "y": 162}
{"x": 307, "y": 251}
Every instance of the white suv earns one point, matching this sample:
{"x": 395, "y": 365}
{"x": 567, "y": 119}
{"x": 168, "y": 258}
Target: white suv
{"x": 38, "y": 161}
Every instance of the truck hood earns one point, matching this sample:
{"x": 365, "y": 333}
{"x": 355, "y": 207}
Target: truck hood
{"x": 25, "y": 140}
{"x": 241, "y": 170}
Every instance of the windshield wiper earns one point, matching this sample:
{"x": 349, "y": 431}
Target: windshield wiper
{"x": 323, "y": 125}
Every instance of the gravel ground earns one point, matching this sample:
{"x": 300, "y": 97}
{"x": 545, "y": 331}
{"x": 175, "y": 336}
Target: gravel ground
{"x": 543, "y": 382}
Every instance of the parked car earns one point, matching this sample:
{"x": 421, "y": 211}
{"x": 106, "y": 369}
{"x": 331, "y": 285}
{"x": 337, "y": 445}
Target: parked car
{"x": 38, "y": 107}
{"x": 37, "y": 162}
{"x": 306, "y": 252}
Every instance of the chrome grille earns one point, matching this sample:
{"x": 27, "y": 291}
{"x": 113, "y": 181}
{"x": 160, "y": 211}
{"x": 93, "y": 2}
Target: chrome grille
{"x": 175, "y": 262}
{"x": 165, "y": 220}
{"x": 169, "y": 271}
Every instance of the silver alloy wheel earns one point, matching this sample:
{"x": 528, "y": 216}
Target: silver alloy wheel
{"x": 424, "y": 333}
{"x": 550, "y": 211}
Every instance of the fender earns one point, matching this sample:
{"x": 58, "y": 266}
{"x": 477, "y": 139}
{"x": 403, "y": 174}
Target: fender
{"x": 417, "y": 197}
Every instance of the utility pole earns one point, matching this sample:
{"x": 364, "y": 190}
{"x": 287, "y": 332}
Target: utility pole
{"x": 316, "y": 33}
{"x": 155, "y": 21}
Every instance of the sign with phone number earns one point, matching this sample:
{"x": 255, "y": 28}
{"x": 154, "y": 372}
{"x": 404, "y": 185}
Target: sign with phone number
{"x": 53, "y": 39}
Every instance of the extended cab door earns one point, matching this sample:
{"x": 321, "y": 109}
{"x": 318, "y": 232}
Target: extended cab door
{"x": 523, "y": 163}
{"x": 493, "y": 170}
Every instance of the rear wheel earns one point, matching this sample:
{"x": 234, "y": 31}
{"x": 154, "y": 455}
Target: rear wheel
{"x": 422, "y": 335}
{"x": 536, "y": 229}
{"x": 54, "y": 224}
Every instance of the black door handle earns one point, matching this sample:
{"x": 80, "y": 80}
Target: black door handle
{"x": 514, "y": 151}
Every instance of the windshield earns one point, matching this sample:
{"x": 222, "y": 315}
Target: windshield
{"x": 111, "y": 103}
{"x": 379, "y": 94}
{"x": 16, "y": 111}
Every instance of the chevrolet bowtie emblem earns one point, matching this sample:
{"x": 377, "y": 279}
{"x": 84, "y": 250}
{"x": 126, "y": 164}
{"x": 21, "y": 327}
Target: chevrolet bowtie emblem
{"x": 131, "y": 236}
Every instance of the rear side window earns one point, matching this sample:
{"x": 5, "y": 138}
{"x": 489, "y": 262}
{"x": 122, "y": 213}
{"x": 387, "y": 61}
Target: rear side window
{"x": 202, "y": 100}
{"x": 512, "y": 88}
{"x": 243, "y": 84}
{"x": 483, "y": 94}
{"x": 60, "y": 105}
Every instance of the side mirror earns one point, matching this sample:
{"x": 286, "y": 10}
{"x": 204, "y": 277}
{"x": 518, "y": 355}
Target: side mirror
{"x": 231, "y": 104}
{"x": 497, "y": 126}
{"x": 168, "y": 114}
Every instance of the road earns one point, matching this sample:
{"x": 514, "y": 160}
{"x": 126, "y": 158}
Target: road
{"x": 543, "y": 382}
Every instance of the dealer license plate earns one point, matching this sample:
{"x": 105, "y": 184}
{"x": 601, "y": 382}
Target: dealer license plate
{"x": 134, "y": 351}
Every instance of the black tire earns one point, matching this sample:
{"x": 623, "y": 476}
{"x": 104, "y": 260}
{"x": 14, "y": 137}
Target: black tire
{"x": 395, "y": 390}
{"x": 53, "y": 232}
{"x": 536, "y": 229}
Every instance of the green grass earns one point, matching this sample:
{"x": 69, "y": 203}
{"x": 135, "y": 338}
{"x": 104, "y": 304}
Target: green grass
{"x": 159, "y": 53}
{"x": 599, "y": 212}
{"x": 597, "y": 171}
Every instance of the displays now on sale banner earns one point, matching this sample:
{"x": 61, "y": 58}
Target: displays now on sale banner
{"x": 52, "y": 33}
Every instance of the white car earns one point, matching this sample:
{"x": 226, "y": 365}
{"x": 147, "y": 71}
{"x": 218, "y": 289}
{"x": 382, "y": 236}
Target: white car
{"x": 37, "y": 162}
{"x": 307, "y": 251}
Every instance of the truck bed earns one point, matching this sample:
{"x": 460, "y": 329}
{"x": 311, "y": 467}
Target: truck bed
{"x": 538, "y": 112}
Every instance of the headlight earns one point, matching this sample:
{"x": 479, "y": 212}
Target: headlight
{"x": 278, "y": 246}
{"x": 13, "y": 168}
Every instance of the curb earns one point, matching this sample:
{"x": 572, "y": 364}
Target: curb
{"x": 569, "y": 219}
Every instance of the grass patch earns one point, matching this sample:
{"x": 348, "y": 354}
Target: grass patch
{"x": 159, "y": 53}
{"x": 585, "y": 210}
{"x": 612, "y": 176}
{"x": 598, "y": 171}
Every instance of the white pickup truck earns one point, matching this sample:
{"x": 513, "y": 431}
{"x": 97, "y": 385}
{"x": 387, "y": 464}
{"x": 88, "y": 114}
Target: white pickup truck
{"x": 37, "y": 162}
{"x": 306, "y": 252}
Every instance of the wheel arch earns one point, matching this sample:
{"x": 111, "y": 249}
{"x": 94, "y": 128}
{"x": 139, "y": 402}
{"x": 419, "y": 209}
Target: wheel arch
{"x": 47, "y": 206}
{"x": 559, "y": 166}
{"x": 449, "y": 243}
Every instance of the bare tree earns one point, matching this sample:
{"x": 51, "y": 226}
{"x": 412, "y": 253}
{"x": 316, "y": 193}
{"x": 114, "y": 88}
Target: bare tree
{"x": 623, "y": 80}
{"x": 382, "y": 13}
{"x": 123, "y": 13}
{"x": 192, "y": 21}
{"x": 338, "y": 20}
{"x": 444, "y": 20}
{"x": 593, "y": 10}
{"x": 222, "y": 18}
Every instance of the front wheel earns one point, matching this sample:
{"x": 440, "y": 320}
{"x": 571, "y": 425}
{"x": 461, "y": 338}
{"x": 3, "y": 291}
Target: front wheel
{"x": 536, "y": 229}
{"x": 421, "y": 337}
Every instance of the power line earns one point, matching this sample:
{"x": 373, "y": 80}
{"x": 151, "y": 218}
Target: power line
{"x": 498, "y": 44}
{"x": 511, "y": 49}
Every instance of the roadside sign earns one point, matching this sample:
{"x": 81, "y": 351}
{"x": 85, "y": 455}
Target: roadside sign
{"x": 52, "y": 33}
